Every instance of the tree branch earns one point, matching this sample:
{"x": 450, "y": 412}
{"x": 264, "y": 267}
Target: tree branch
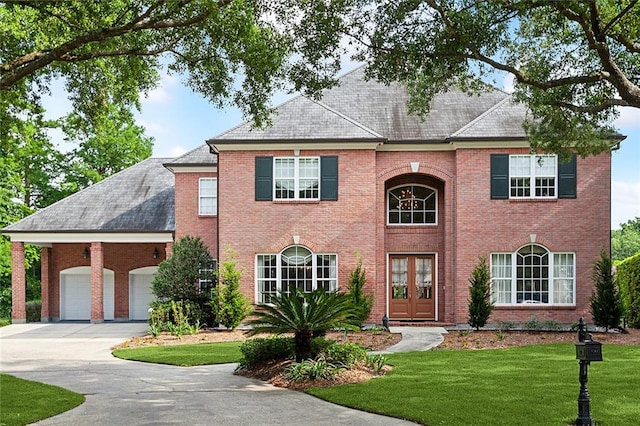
{"x": 29, "y": 63}
{"x": 593, "y": 109}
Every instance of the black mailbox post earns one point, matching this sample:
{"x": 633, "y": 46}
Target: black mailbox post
{"x": 587, "y": 350}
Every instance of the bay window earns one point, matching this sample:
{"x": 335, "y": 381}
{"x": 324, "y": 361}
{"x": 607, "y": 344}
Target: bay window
{"x": 533, "y": 275}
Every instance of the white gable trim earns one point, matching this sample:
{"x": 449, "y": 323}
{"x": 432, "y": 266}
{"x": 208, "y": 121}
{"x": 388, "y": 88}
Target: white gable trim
{"x": 47, "y": 238}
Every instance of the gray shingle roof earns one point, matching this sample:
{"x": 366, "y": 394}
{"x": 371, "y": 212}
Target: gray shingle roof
{"x": 360, "y": 109}
{"x": 137, "y": 199}
{"x": 200, "y": 156}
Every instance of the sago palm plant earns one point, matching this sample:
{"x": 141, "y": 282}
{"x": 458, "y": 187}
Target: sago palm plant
{"x": 305, "y": 314}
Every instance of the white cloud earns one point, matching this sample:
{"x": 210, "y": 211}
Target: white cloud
{"x": 629, "y": 117}
{"x": 625, "y": 202}
{"x": 508, "y": 83}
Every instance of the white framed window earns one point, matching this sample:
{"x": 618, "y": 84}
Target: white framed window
{"x": 533, "y": 275}
{"x": 412, "y": 205}
{"x": 295, "y": 267}
{"x": 296, "y": 178}
{"x": 208, "y": 196}
{"x": 533, "y": 176}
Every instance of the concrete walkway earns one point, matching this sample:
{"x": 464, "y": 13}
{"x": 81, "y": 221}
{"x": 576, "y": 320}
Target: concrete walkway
{"x": 77, "y": 357}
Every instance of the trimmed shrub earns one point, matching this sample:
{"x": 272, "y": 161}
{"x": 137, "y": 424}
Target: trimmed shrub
{"x": 628, "y": 277}
{"x": 179, "y": 277}
{"x": 532, "y": 324}
{"x": 363, "y": 303}
{"x": 260, "y": 351}
{"x": 606, "y": 305}
{"x": 34, "y": 309}
{"x": 345, "y": 354}
{"x": 229, "y": 305}
{"x": 480, "y": 305}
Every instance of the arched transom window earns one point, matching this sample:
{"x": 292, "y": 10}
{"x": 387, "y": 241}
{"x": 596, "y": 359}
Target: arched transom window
{"x": 533, "y": 275}
{"x": 295, "y": 267}
{"x": 412, "y": 205}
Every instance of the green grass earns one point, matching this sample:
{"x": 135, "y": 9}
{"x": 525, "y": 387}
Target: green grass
{"x": 533, "y": 385}
{"x": 23, "y": 402}
{"x": 184, "y": 355}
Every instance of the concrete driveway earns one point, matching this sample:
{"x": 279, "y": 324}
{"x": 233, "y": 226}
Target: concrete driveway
{"x": 118, "y": 392}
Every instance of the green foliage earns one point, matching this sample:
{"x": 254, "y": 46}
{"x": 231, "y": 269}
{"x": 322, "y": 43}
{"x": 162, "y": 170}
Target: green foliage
{"x": 229, "y": 305}
{"x": 431, "y": 46}
{"x": 606, "y": 305}
{"x": 5, "y": 301}
{"x": 532, "y": 324}
{"x": 34, "y": 309}
{"x": 260, "y": 351}
{"x": 376, "y": 362}
{"x": 178, "y": 278}
{"x": 311, "y": 369}
{"x": 345, "y": 355}
{"x": 625, "y": 242}
{"x": 361, "y": 301}
{"x": 480, "y": 305}
{"x": 305, "y": 314}
{"x": 552, "y": 325}
{"x": 628, "y": 278}
{"x": 25, "y": 402}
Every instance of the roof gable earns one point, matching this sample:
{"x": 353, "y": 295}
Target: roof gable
{"x": 358, "y": 108}
{"x": 137, "y": 199}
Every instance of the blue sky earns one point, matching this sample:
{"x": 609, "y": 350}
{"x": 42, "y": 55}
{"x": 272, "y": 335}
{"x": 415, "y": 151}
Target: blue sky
{"x": 180, "y": 121}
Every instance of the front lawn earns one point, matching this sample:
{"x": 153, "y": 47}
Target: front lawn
{"x": 184, "y": 355}
{"x": 532, "y": 385}
{"x": 23, "y": 402}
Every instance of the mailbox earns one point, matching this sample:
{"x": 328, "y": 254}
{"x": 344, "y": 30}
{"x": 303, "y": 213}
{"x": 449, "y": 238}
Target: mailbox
{"x": 589, "y": 351}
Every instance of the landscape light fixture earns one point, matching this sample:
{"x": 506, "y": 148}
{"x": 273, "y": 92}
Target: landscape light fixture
{"x": 85, "y": 253}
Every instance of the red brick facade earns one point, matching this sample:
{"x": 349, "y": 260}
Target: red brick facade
{"x": 469, "y": 223}
{"x": 188, "y": 220}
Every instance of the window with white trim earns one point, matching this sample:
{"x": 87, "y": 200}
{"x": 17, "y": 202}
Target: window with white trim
{"x": 296, "y": 178}
{"x": 533, "y": 275}
{"x": 412, "y": 205}
{"x": 208, "y": 196}
{"x": 533, "y": 176}
{"x": 296, "y": 267}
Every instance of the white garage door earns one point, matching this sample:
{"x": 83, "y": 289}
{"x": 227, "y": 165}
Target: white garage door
{"x": 75, "y": 294}
{"x": 140, "y": 295}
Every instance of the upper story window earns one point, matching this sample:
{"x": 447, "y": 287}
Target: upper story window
{"x": 296, "y": 178}
{"x": 208, "y": 197}
{"x": 533, "y": 275}
{"x": 532, "y": 176}
{"x": 412, "y": 205}
{"x": 296, "y": 267}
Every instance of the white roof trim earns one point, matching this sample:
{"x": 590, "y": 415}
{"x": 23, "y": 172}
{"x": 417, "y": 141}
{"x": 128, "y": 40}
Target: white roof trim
{"x": 47, "y": 238}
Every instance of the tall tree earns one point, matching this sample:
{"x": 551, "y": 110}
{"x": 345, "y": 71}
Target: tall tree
{"x": 573, "y": 61}
{"x": 625, "y": 242}
{"x": 104, "y": 144}
{"x": 110, "y": 51}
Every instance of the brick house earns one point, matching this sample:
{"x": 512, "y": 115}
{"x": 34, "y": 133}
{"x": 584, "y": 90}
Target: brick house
{"x": 350, "y": 176}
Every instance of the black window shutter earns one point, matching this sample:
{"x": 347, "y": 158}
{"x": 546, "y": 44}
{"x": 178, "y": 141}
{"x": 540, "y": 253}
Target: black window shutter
{"x": 329, "y": 178}
{"x": 264, "y": 178}
{"x": 567, "y": 178}
{"x": 499, "y": 176}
